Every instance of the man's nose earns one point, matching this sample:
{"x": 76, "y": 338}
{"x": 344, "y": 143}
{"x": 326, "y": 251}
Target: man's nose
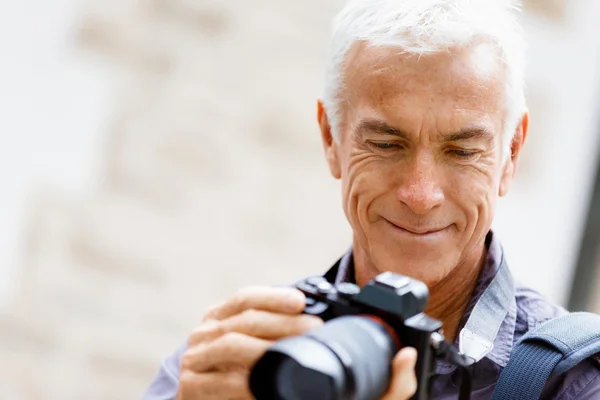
{"x": 420, "y": 190}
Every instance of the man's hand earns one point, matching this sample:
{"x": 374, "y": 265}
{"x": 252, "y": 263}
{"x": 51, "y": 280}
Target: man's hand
{"x": 234, "y": 335}
{"x": 404, "y": 381}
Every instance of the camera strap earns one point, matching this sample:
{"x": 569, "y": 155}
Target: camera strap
{"x": 447, "y": 352}
{"x": 477, "y": 337}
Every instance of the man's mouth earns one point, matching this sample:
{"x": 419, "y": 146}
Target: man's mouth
{"x": 418, "y": 231}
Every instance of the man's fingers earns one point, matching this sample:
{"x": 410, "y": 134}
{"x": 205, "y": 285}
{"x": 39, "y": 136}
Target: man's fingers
{"x": 214, "y": 385}
{"x": 267, "y": 325}
{"x": 206, "y": 332}
{"x": 275, "y": 299}
{"x": 231, "y": 349}
{"x": 260, "y": 324}
{"x": 404, "y": 381}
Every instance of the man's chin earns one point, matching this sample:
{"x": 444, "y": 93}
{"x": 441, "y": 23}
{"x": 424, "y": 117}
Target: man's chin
{"x": 426, "y": 266}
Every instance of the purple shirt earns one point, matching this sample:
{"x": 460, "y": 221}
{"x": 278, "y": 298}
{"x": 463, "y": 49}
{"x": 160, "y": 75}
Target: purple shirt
{"x": 500, "y": 310}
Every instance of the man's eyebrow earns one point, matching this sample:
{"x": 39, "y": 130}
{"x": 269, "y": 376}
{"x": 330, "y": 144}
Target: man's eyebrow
{"x": 469, "y": 133}
{"x": 380, "y": 127}
{"x": 375, "y": 126}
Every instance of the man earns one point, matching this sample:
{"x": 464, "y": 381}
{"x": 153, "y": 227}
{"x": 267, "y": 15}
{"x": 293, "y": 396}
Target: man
{"x": 423, "y": 120}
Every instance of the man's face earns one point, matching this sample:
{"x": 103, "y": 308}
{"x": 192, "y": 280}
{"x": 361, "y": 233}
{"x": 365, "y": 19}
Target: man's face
{"x": 420, "y": 156}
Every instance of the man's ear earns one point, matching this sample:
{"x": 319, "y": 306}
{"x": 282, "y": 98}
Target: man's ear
{"x": 510, "y": 166}
{"x": 330, "y": 146}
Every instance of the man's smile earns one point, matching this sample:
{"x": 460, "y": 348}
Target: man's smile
{"x": 422, "y": 232}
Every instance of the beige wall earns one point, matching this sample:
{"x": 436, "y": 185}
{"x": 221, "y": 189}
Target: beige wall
{"x": 213, "y": 178}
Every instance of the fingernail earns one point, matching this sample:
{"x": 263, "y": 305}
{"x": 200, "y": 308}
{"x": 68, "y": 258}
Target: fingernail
{"x": 312, "y": 322}
{"x": 411, "y": 354}
{"x": 294, "y": 302}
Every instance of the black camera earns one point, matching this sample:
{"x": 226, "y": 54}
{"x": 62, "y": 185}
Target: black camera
{"x": 350, "y": 356}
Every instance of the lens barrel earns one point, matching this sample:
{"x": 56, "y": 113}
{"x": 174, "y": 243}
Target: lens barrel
{"x": 347, "y": 358}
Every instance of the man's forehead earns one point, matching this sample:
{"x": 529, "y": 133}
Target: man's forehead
{"x": 472, "y": 74}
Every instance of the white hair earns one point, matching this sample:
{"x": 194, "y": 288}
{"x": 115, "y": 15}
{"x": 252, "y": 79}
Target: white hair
{"x": 429, "y": 27}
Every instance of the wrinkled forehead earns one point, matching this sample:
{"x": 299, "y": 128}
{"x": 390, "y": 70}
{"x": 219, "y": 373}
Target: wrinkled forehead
{"x": 471, "y": 78}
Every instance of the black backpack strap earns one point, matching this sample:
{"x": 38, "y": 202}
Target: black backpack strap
{"x": 553, "y": 348}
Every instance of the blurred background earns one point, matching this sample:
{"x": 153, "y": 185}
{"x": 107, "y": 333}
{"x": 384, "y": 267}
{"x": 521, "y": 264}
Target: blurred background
{"x": 159, "y": 154}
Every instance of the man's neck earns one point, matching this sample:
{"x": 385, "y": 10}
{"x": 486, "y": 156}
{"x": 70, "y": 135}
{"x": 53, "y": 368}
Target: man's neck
{"x": 448, "y": 298}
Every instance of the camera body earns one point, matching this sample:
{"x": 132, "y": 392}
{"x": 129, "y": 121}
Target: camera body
{"x": 397, "y": 300}
{"x": 364, "y": 329}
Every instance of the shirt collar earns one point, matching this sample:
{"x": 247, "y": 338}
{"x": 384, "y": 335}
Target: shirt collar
{"x": 492, "y": 306}
{"x": 489, "y": 317}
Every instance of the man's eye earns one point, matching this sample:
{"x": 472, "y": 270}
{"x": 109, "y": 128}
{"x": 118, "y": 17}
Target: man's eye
{"x": 463, "y": 153}
{"x": 386, "y": 146}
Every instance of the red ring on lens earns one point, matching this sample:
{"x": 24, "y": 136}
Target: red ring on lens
{"x": 385, "y": 326}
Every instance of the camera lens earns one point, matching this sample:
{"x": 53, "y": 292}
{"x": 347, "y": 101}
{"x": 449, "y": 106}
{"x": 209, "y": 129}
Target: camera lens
{"x": 295, "y": 382}
{"x": 347, "y": 358}
{"x": 298, "y": 368}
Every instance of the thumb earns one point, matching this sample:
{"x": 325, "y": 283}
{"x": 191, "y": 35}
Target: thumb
{"x": 404, "y": 381}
